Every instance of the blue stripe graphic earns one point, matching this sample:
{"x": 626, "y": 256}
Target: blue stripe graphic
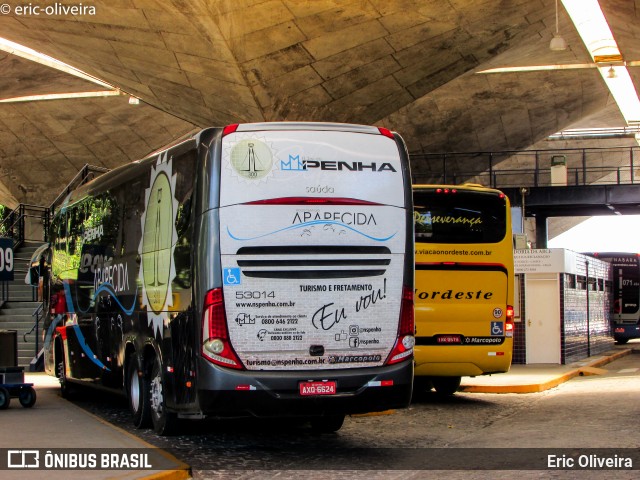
{"x": 312, "y": 224}
{"x": 83, "y": 343}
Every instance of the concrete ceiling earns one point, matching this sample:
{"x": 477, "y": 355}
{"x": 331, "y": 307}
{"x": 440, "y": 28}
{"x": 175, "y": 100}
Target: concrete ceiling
{"x": 410, "y": 65}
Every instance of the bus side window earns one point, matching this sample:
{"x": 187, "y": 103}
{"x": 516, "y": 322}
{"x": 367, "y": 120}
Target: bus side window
{"x": 133, "y": 207}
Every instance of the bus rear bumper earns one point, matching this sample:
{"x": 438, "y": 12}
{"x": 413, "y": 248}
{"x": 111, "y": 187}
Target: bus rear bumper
{"x": 229, "y": 393}
{"x": 625, "y": 331}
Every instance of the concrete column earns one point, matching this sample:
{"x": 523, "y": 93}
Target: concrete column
{"x": 541, "y": 231}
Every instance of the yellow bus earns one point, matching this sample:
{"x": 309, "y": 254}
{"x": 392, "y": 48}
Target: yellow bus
{"x": 463, "y": 285}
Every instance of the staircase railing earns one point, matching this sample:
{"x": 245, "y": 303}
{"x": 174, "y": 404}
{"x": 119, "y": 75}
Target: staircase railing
{"x": 38, "y": 314}
{"x": 26, "y": 222}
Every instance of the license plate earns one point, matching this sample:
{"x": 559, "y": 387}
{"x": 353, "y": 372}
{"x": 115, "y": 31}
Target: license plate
{"x": 317, "y": 388}
{"x": 448, "y": 339}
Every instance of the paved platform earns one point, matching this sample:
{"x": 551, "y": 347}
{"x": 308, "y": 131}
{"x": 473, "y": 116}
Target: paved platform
{"x": 54, "y": 423}
{"x": 537, "y": 377}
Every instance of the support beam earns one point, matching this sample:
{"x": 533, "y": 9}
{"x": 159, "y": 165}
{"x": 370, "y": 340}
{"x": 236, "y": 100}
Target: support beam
{"x": 541, "y": 231}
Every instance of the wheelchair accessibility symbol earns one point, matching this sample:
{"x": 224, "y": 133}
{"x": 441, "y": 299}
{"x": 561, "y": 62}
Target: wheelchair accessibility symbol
{"x": 231, "y": 276}
{"x": 497, "y": 329}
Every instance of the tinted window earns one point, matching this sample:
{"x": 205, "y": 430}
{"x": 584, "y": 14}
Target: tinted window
{"x": 460, "y": 217}
{"x": 626, "y": 286}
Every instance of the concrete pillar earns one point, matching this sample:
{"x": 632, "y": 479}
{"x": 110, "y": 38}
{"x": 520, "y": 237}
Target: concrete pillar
{"x": 541, "y": 231}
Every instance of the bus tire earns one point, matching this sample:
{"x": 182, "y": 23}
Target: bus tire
{"x": 446, "y": 386}
{"x": 164, "y": 422}
{"x": 422, "y": 384}
{"x": 327, "y": 423}
{"x": 61, "y": 372}
{"x": 27, "y": 397}
{"x": 5, "y": 398}
{"x": 138, "y": 392}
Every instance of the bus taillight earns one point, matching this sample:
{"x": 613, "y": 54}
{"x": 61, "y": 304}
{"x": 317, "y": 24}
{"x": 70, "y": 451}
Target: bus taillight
{"x": 508, "y": 326}
{"x": 406, "y": 330}
{"x": 386, "y": 132}
{"x": 215, "y": 335}
{"x": 510, "y": 314}
{"x": 230, "y": 129}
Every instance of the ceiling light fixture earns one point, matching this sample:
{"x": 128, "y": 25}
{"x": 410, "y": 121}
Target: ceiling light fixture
{"x": 62, "y": 96}
{"x": 592, "y": 26}
{"x": 558, "y": 43}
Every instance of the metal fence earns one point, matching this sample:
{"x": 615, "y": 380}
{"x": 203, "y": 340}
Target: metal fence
{"x": 530, "y": 168}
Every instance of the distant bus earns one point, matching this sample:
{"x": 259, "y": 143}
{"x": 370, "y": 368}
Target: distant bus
{"x": 464, "y": 284}
{"x": 625, "y": 308}
{"x": 252, "y": 270}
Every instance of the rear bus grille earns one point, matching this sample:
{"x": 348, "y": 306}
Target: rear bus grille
{"x": 313, "y": 261}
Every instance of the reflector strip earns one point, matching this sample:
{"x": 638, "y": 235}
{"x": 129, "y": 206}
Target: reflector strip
{"x": 245, "y": 387}
{"x": 380, "y": 383}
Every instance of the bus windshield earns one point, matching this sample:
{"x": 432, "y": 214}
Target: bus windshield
{"x": 459, "y": 217}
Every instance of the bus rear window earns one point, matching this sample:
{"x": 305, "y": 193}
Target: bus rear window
{"x": 459, "y": 217}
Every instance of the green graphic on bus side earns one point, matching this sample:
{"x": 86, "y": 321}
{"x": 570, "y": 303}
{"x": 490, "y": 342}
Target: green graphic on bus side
{"x": 157, "y": 269}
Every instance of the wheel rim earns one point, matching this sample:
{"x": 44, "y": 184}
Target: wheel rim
{"x": 134, "y": 392}
{"x": 156, "y": 395}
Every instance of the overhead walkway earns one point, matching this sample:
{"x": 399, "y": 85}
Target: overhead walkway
{"x": 546, "y": 183}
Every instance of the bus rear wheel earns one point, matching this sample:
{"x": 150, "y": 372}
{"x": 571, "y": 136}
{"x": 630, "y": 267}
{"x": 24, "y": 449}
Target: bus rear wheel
{"x": 61, "y": 371}
{"x": 5, "y": 398}
{"x": 327, "y": 423}
{"x": 446, "y": 386}
{"x": 164, "y": 422}
{"x": 138, "y": 393}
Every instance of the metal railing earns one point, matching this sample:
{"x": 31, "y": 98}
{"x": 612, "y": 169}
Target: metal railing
{"x": 38, "y": 314}
{"x": 36, "y": 326}
{"x": 31, "y": 222}
{"x": 25, "y": 223}
{"x": 530, "y": 168}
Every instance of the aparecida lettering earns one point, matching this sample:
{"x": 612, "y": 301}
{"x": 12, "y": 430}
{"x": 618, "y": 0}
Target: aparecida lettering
{"x": 116, "y": 275}
{"x": 348, "y": 218}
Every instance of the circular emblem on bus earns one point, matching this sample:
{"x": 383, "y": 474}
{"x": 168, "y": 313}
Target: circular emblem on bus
{"x": 251, "y": 159}
{"x": 497, "y": 312}
{"x": 159, "y": 236}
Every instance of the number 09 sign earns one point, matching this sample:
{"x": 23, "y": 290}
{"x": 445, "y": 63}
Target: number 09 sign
{"x": 6, "y": 259}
